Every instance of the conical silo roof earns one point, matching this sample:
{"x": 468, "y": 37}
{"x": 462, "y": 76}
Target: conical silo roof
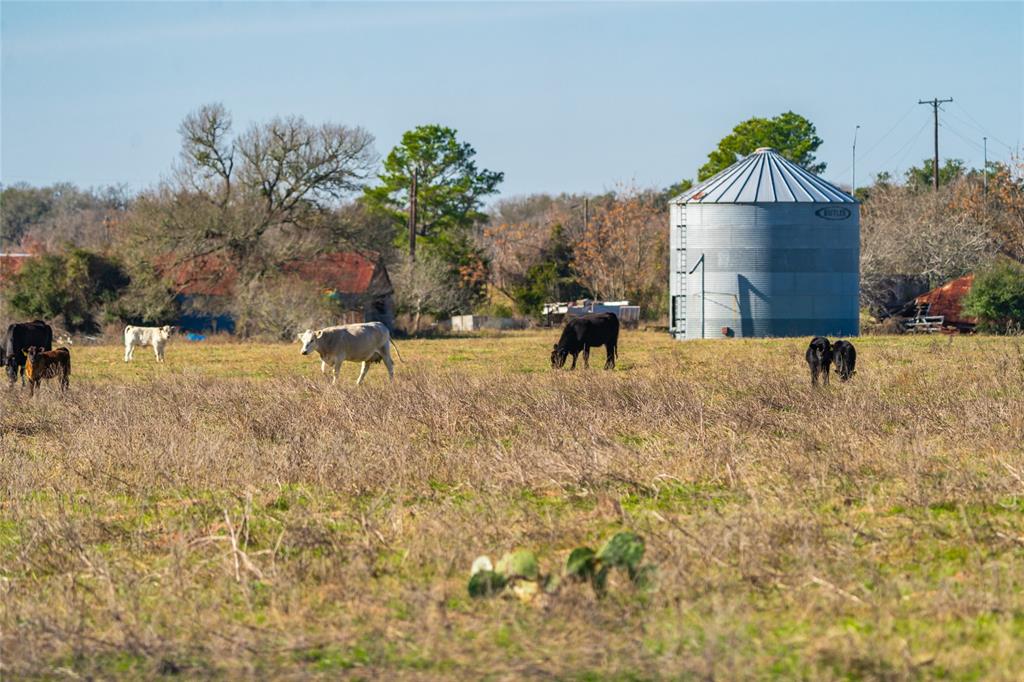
{"x": 764, "y": 177}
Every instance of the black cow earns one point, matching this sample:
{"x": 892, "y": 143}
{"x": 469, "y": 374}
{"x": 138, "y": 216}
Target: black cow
{"x": 584, "y": 333}
{"x": 19, "y": 338}
{"x": 819, "y": 357}
{"x": 844, "y": 355}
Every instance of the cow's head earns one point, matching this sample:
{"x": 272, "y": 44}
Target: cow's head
{"x": 821, "y": 346}
{"x": 558, "y": 356}
{"x": 308, "y": 340}
{"x": 165, "y": 332}
{"x": 31, "y": 353}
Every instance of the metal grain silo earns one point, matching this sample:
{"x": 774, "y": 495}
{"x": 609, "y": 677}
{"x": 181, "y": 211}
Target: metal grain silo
{"x": 764, "y": 248}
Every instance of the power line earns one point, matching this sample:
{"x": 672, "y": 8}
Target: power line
{"x": 962, "y": 136}
{"x": 978, "y": 130}
{"x": 983, "y": 129}
{"x": 888, "y": 133}
{"x": 905, "y": 147}
{"x": 882, "y": 139}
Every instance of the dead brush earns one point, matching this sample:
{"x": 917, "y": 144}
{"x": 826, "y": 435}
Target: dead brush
{"x": 231, "y": 514}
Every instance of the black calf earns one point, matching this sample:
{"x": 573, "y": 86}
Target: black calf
{"x": 819, "y": 357}
{"x": 845, "y": 357}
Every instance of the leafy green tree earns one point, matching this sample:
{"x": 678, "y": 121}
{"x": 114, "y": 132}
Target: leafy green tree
{"x": 38, "y": 289}
{"x": 450, "y": 190}
{"x": 672, "y": 191}
{"x": 789, "y": 134}
{"x": 75, "y": 286}
{"x": 997, "y": 298}
{"x": 550, "y": 279}
{"x": 150, "y": 299}
{"x": 450, "y": 187}
{"x": 921, "y": 178}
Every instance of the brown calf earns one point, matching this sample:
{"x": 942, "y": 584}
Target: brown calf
{"x": 46, "y": 364}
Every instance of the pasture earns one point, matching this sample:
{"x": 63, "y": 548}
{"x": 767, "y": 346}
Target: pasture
{"x": 229, "y": 514}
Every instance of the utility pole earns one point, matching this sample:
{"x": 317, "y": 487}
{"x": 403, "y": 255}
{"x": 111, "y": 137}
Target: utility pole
{"x": 412, "y": 217}
{"x": 853, "y": 181}
{"x": 984, "y": 168}
{"x": 935, "y": 160}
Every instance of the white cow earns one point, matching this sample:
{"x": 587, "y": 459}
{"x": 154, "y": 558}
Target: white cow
{"x": 146, "y": 336}
{"x": 365, "y": 343}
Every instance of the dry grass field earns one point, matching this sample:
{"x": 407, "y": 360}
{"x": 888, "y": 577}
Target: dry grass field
{"x": 231, "y": 515}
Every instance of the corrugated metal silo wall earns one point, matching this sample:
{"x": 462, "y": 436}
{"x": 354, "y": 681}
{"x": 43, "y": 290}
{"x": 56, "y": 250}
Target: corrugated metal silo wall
{"x": 783, "y": 269}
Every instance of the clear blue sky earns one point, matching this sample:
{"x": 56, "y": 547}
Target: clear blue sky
{"x": 561, "y": 97}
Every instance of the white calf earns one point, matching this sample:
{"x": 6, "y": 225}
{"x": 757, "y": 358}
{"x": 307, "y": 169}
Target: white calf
{"x": 146, "y": 336}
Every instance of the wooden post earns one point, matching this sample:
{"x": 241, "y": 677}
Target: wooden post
{"x": 412, "y": 217}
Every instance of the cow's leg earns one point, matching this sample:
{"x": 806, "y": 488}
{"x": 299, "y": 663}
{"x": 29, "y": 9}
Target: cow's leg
{"x": 586, "y": 357}
{"x": 574, "y": 360}
{"x": 337, "y": 371}
{"x": 825, "y": 372}
{"x": 814, "y": 375}
{"x": 609, "y": 362}
{"x": 389, "y": 363}
{"x": 323, "y": 367}
{"x": 156, "y": 352}
{"x": 362, "y": 371}
{"x": 127, "y": 352}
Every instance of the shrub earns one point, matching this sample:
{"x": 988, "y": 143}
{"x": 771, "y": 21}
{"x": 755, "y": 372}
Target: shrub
{"x": 997, "y": 298}
{"x": 75, "y": 286}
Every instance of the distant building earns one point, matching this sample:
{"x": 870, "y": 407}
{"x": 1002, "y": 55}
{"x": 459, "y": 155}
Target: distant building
{"x": 11, "y": 264}
{"x": 556, "y": 313}
{"x": 941, "y": 309}
{"x": 358, "y": 282}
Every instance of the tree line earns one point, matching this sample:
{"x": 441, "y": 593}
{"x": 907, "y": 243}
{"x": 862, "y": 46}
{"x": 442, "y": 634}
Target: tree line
{"x": 288, "y": 189}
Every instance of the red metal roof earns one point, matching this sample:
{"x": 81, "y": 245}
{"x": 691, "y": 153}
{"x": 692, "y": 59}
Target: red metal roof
{"x": 10, "y": 264}
{"x": 203, "y": 276}
{"x": 946, "y": 300}
{"x": 345, "y": 272}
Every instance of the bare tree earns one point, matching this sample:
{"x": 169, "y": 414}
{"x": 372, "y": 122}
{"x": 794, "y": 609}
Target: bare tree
{"x": 280, "y": 306}
{"x": 423, "y": 286}
{"x": 256, "y": 198}
{"x": 926, "y": 235}
{"x": 623, "y": 252}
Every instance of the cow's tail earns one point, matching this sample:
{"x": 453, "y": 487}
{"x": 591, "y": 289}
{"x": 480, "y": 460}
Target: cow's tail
{"x": 395, "y": 346}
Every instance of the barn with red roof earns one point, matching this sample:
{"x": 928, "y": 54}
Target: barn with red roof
{"x": 357, "y": 281}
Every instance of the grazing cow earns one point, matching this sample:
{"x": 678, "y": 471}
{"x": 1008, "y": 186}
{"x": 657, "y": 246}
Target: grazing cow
{"x": 844, "y": 355}
{"x": 819, "y": 357}
{"x": 586, "y": 332}
{"x": 47, "y": 364}
{"x": 365, "y": 343}
{"x": 20, "y": 336}
{"x": 146, "y": 336}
